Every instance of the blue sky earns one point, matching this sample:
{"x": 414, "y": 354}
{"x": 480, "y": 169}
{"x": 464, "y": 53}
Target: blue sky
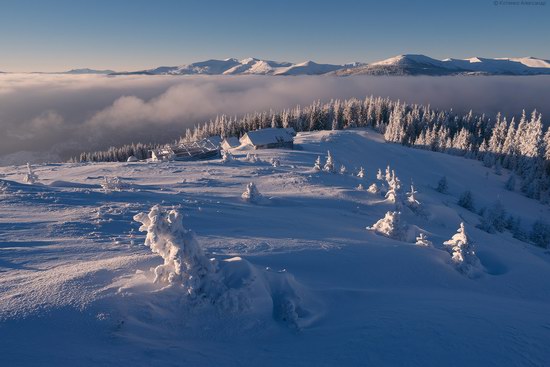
{"x": 42, "y": 35}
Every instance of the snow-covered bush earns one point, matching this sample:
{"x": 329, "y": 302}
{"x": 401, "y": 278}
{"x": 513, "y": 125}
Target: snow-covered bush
{"x": 361, "y": 173}
{"x": 462, "y": 252}
{"x": 275, "y": 162}
{"x": 389, "y": 226}
{"x": 184, "y": 261}
{"x": 493, "y": 218}
{"x": 227, "y": 157}
{"x": 466, "y": 200}
{"x": 111, "y": 184}
{"x": 422, "y": 240}
{"x": 442, "y": 185}
{"x": 393, "y": 194}
{"x": 30, "y": 176}
{"x": 317, "y": 165}
{"x": 4, "y": 187}
{"x": 251, "y": 193}
{"x": 329, "y": 164}
{"x": 540, "y": 234}
{"x": 343, "y": 170}
{"x": 360, "y": 187}
{"x": 373, "y": 189}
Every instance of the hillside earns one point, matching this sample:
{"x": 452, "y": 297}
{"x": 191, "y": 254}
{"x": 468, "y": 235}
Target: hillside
{"x": 309, "y": 284}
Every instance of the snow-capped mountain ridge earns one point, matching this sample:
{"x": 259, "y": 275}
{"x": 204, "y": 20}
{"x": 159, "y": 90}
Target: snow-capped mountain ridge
{"x": 413, "y": 64}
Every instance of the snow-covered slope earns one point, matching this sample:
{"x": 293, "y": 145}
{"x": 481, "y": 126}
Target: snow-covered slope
{"x": 242, "y": 67}
{"x": 76, "y": 281}
{"x": 424, "y": 65}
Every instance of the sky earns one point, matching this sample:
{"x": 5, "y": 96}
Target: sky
{"x": 57, "y": 35}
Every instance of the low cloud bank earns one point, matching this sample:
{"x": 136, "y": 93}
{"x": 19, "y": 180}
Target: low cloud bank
{"x": 60, "y": 115}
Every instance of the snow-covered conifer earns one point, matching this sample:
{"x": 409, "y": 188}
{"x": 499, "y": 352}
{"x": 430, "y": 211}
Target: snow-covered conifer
{"x": 343, "y": 170}
{"x": 275, "y": 162}
{"x": 317, "y": 165}
{"x": 329, "y": 164}
{"x": 493, "y": 218}
{"x": 462, "y": 252}
{"x": 388, "y": 175}
{"x": 466, "y": 200}
{"x": 251, "y": 193}
{"x": 30, "y": 176}
{"x": 540, "y": 234}
{"x": 379, "y": 175}
{"x": 411, "y": 198}
{"x": 184, "y": 261}
{"x": 389, "y": 226}
{"x": 373, "y": 189}
{"x": 442, "y": 185}
{"x": 361, "y": 173}
{"x": 422, "y": 240}
{"x": 227, "y": 156}
{"x": 360, "y": 187}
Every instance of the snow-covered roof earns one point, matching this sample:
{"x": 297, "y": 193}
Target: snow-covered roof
{"x": 231, "y": 142}
{"x": 268, "y": 136}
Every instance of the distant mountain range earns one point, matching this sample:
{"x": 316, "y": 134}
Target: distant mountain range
{"x": 250, "y": 66}
{"x": 398, "y": 65}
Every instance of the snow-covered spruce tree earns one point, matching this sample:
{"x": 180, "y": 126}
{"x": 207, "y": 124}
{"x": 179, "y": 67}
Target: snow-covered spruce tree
{"x": 540, "y": 234}
{"x": 184, "y": 261}
{"x": 466, "y": 200}
{"x": 317, "y": 165}
{"x": 462, "y": 252}
{"x": 251, "y": 193}
{"x": 343, "y": 170}
{"x": 422, "y": 240}
{"x": 393, "y": 194}
{"x": 493, "y": 218}
{"x": 379, "y": 175}
{"x": 360, "y": 187}
{"x": 110, "y": 184}
{"x": 275, "y": 162}
{"x": 388, "y": 175}
{"x": 30, "y": 176}
{"x": 329, "y": 164}
{"x": 442, "y": 185}
{"x": 389, "y": 226}
{"x": 361, "y": 172}
{"x": 373, "y": 189}
{"x": 411, "y": 198}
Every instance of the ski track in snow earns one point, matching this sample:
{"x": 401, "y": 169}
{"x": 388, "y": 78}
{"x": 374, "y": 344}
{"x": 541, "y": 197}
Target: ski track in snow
{"x": 76, "y": 286}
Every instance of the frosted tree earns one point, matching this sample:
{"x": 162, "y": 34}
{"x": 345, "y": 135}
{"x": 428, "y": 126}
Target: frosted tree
{"x": 389, "y": 226}
{"x": 379, "y": 175}
{"x": 442, "y": 185}
{"x": 329, "y": 164}
{"x": 422, "y": 240}
{"x": 184, "y": 261}
{"x": 388, "y": 175}
{"x": 462, "y": 252}
{"x": 275, "y": 162}
{"x": 394, "y": 189}
{"x": 361, "y": 173}
{"x": 493, "y": 218}
{"x": 540, "y": 234}
{"x": 317, "y": 165}
{"x": 360, "y": 187}
{"x": 251, "y": 193}
{"x": 466, "y": 200}
{"x": 110, "y": 184}
{"x": 343, "y": 170}
{"x": 373, "y": 189}
{"x": 412, "y": 202}
{"x": 30, "y": 176}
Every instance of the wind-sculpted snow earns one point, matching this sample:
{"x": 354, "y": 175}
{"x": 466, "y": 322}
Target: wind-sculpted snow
{"x": 51, "y": 117}
{"x": 298, "y": 281}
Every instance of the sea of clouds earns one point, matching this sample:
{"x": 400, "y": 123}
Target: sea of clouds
{"x": 45, "y": 117}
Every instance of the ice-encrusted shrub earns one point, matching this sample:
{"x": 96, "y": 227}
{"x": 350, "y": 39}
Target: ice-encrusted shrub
{"x": 389, "y": 226}
{"x": 251, "y": 193}
{"x": 110, "y": 184}
{"x": 30, "y": 176}
{"x": 184, "y": 261}
{"x": 462, "y": 252}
